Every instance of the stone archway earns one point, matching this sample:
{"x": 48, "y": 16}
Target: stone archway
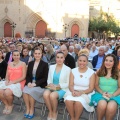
{"x": 33, "y": 23}
{"x": 5, "y": 22}
{"x": 77, "y": 26}
{"x": 7, "y": 30}
{"x": 74, "y": 30}
{"x": 40, "y": 29}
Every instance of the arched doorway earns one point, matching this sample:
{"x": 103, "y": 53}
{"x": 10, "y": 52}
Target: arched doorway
{"x": 7, "y": 30}
{"x": 74, "y": 30}
{"x": 41, "y": 28}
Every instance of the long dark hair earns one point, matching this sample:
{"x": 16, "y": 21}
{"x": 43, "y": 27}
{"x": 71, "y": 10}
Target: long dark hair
{"x": 114, "y": 72}
{"x": 22, "y": 52}
{"x": 43, "y": 50}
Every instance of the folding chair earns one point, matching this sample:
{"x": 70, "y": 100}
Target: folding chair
{"x": 63, "y": 108}
{"x": 42, "y": 107}
{"x": 118, "y": 114}
{"x": 60, "y": 102}
{"x": 21, "y": 102}
{"x": 36, "y": 107}
{"x": 91, "y": 115}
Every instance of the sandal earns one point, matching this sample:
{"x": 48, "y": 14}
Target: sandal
{"x": 9, "y": 110}
{"x": 5, "y": 110}
{"x": 56, "y": 116}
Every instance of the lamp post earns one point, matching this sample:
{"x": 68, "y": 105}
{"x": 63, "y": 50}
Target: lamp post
{"x": 65, "y": 28}
{"x": 13, "y": 25}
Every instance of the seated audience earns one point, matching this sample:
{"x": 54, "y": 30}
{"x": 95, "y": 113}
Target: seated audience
{"x": 14, "y": 82}
{"x": 85, "y": 52}
{"x": 50, "y": 54}
{"x": 81, "y": 86}
{"x": 118, "y": 58}
{"x": 71, "y": 50}
{"x": 41, "y": 46}
{"x": 36, "y": 80}
{"x": 69, "y": 60}
{"x": 25, "y": 56}
{"x": 58, "y": 77}
{"x": 92, "y": 53}
{"x": 107, "y": 96}
{"x": 8, "y": 57}
{"x": 3, "y": 66}
{"x": 98, "y": 59}
{"x": 76, "y": 51}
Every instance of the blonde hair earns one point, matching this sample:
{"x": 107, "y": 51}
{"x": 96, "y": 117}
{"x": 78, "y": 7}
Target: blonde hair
{"x": 83, "y": 51}
{"x": 50, "y": 47}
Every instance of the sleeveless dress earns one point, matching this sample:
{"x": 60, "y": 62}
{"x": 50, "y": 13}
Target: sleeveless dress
{"x": 106, "y": 85}
{"x": 14, "y": 73}
{"x": 81, "y": 83}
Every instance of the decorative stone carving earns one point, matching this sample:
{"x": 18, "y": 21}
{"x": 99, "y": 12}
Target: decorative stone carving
{"x": 6, "y": 10}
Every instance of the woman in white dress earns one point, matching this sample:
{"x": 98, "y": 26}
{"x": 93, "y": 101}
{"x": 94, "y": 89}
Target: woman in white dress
{"x": 81, "y": 87}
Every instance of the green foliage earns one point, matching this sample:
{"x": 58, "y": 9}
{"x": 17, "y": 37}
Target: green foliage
{"x": 104, "y": 24}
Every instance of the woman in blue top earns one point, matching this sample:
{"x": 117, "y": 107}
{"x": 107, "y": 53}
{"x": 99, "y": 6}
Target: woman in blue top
{"x": 107, "y": 96}
{"x": 58, "y": 77}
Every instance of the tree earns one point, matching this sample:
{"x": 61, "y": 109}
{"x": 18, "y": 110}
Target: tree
{"x": 104, "y": 24}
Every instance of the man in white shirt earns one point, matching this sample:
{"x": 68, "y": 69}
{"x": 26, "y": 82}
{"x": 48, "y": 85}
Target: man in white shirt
{"x": 71, "y": 50}
{"x": 92, "y": 53}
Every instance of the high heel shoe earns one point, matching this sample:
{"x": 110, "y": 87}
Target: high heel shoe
{"x": 26, "y": 115}
{"x": 30, "y": 116}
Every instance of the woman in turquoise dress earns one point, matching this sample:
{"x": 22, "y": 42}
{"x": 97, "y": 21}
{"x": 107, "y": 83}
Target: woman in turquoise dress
{"x": 107, "y": 96}
{"x": 58, "y": 76}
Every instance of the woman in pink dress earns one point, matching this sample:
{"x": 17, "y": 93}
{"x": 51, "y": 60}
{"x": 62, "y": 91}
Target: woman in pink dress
{"x": 14, "y": 82}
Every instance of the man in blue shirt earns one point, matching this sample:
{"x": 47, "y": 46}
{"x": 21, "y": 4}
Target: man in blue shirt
{"x": 98, "y": 59}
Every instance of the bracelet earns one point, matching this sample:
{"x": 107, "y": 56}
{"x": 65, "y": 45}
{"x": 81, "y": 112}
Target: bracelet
{"x": 82, "y": 92}
{"x": 102, "y": 92}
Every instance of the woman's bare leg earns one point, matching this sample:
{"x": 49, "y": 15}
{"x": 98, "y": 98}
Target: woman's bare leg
{"x": 9, "y": 96}
{"x": 70, "y": 108}
{"x": 101, "y": 109}
{"x": 111, "y": 110}
{"x": 78, "y": 110}
{"x": 27, "y": 102}
{"x": 46, "y": 96}
{"x": 32, "y": 104}
{"x": 54, "y": 103}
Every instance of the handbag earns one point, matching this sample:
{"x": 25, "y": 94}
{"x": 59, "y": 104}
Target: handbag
{"x": 53, "y": 89}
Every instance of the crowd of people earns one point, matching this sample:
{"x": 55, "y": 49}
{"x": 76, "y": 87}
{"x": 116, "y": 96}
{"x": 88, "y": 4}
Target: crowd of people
{"x": 83, "y": 73}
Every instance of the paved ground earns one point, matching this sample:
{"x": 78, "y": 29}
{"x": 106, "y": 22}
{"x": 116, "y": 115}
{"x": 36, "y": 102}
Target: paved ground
{"x": 18, "y": 115}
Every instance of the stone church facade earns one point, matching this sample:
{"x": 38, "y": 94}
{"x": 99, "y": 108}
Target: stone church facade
{"x": 40, "y": 18}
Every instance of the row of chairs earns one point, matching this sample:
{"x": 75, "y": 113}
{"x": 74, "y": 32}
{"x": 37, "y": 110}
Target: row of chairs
{"x": 61, "y": 109}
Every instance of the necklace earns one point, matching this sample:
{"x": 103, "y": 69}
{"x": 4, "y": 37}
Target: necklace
{"x": 14, "y": 64}
{"x": 81, "y": 76}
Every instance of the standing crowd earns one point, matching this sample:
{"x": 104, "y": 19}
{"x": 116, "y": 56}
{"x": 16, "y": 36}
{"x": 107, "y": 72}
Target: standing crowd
{"x": 84, "y": 74}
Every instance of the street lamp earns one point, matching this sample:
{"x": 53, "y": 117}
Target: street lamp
{"x": 65, "y": 28}
{"x": 13, "y": 25}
